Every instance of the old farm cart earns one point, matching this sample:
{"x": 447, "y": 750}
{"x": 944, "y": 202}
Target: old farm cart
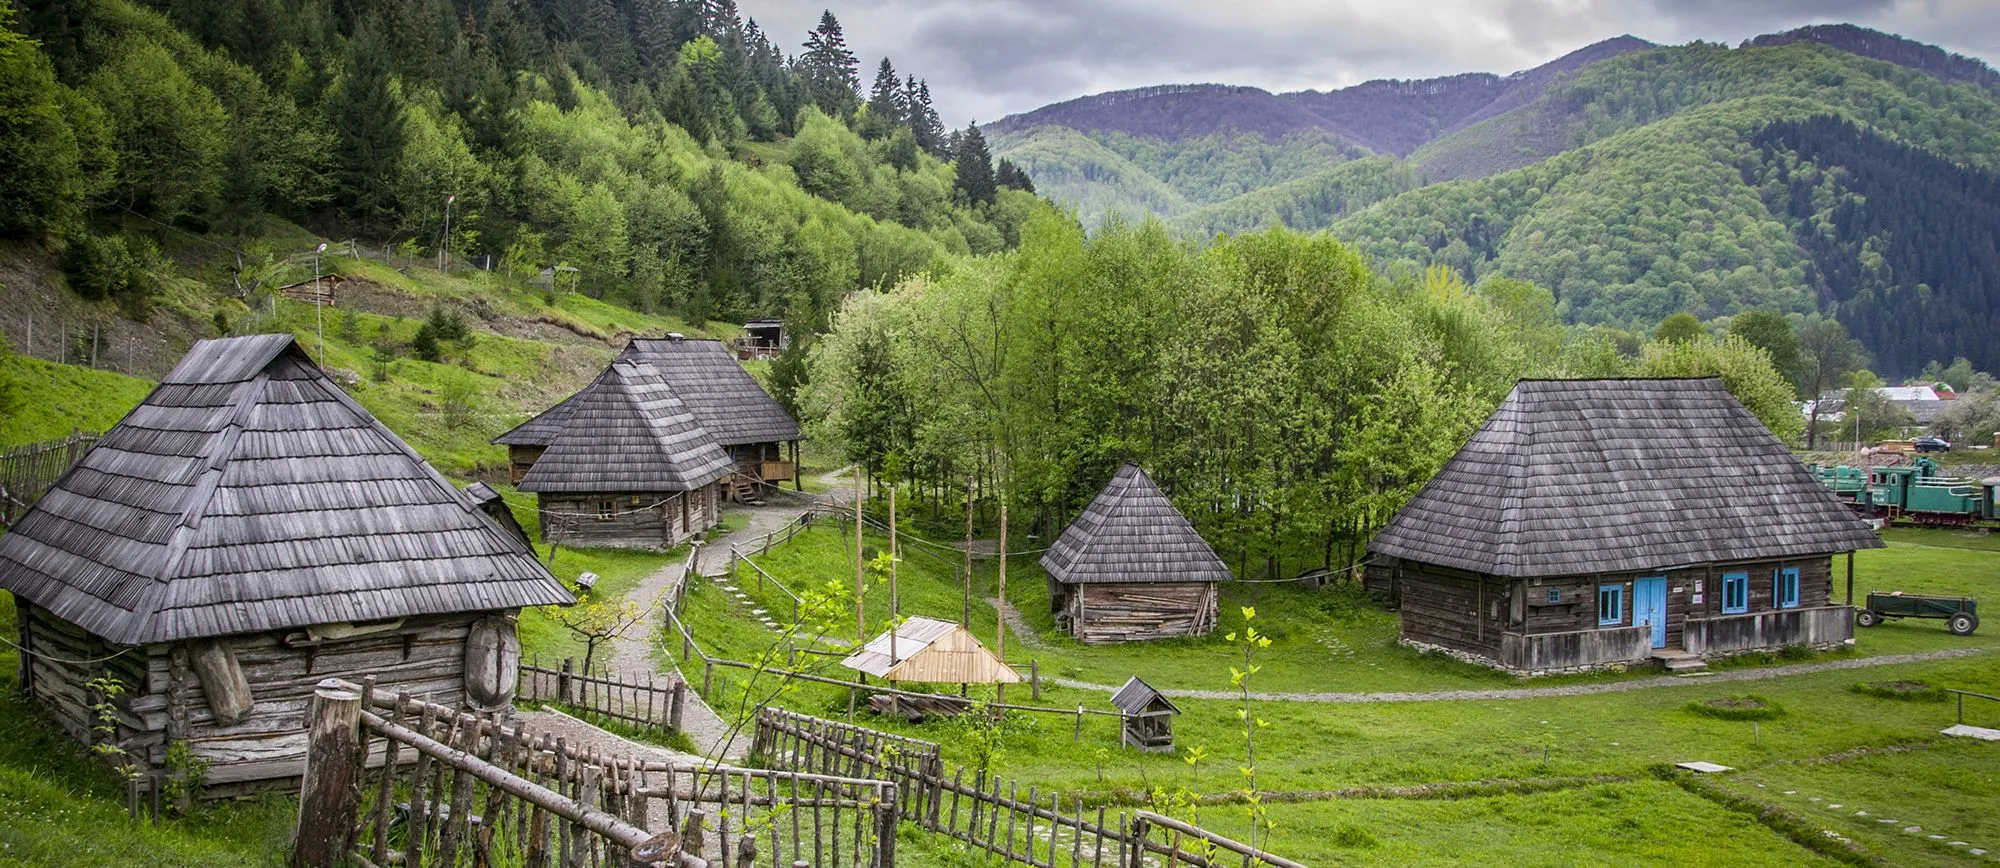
{"x": 997, "y": 817}
{"x": 471, "y": 790}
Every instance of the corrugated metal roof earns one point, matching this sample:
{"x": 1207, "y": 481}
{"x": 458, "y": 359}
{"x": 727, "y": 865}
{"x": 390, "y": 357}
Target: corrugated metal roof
{"x": 248, "y": 493}
{"x": 630, "y": 432}
{"x": 932, "y": 651}
{"x": 1570, "y": 477}
{"x": 1132, "y": 533}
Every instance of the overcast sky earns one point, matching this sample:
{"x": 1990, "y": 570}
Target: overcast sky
{"x": 989, "y": 58}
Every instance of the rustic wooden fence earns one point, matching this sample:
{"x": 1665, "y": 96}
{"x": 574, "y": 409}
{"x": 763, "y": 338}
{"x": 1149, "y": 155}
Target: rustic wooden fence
{"x": 645, "y": 702}
{"x": 995, "y": 816}
{"x": 29, "y": 471}
{"x": 472, "y": 790}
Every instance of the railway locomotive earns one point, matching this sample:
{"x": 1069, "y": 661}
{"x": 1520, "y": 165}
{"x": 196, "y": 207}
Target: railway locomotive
{"x": 1915, "y": 493}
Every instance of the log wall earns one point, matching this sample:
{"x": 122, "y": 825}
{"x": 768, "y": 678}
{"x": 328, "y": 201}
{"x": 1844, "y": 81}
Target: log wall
{"x": 673, "y": 517}
{"x": 1104, "y": 613}
{"x": 1454, "y": 609}
{"x": 520, "y": 459}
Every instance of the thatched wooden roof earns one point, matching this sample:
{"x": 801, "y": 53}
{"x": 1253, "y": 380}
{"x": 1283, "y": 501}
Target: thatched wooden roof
{"x": 1583, "y": 476}
{"x": 930, "y": 650}
{"x": 723, "y": 397}
{"x": 248, "y": 493}
{"x": 629, "y": 433}
{"x": 1132, "y": 533}
{"x": 1138, "y": 697}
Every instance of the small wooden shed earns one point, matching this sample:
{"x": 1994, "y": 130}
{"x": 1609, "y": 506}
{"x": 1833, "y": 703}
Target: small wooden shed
{"x": 1592, "y": 523}
{"x": 1131, "y": 567}
{"x": 629, "y": 468}
{"x": 247, "y": 531}
{"x": 1146, "y": 717}
{"x": 932, "y": 651}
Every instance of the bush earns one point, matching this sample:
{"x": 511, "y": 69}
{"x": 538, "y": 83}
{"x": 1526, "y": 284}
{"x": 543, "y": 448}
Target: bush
{"x": 98, "y": 266}
{"x": 1737, "y": 706}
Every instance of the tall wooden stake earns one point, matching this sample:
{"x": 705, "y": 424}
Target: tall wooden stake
{"x": 860, "y": 568}
{"x": 965, "y": 604}
{"x": 330, "y": 795}
{"x": 1000, "y": 607}
{"x": 895, "y": 601}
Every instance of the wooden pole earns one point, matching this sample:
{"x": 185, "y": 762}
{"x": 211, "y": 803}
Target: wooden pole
{"x": 1850, "y": 578}
{"x": 330, "y": 796}
{"x": 965, "y": 605}
{"x": 1000, "y": 608}
{"x": 860, "y": 569}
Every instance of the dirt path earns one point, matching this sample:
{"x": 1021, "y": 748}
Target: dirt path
{"x": 1730, "y": 676}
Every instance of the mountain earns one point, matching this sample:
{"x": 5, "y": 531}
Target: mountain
{"x": 1633, "y": 180}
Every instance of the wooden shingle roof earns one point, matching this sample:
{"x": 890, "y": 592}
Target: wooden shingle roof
{"x": 248, "y": 493}
{"x": 1570, "y": 477}
{"x": 723, "y": 397}
{"x": 1132, "y": 533}
{"x": 629, "y": 433}
{"x": 1138, "y": 697}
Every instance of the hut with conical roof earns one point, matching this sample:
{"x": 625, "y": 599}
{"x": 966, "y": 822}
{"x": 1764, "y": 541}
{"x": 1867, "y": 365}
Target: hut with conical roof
{"x": 1598, "y": 522}
{"x": 245, "y": 532}
{"x": 1131, "y": 567}
{"x": 629, "y": 467}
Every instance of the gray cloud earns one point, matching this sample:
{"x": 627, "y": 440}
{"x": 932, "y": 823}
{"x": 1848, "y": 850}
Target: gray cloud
{"x": 989, "y": 58}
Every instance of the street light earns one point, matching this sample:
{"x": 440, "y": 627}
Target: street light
{"x": 319, "y": 319}
{"x": 444, "y": 249}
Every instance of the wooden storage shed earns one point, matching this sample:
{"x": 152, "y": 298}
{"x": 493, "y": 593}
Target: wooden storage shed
{"x": 245, "y": 532}
{"x": 1145, "y": 717}
{"x": 761, "y": 439}
{"x": 1599, "y": 522}
{"x": 932, "y": 651}
{"x": 1131, "y": 567}
{"x": 630, "y": 467}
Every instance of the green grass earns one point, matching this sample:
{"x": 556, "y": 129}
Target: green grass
{"x": 55, "y": 399}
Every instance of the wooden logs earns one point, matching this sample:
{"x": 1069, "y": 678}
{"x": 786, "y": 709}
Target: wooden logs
{"x": 222, "y": 680}
{"x": 330, "y": 798}
{"x": 492, "y": 663}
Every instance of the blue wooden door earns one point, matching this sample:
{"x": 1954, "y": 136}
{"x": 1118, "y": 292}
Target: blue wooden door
{"x": 1649, "y": 606}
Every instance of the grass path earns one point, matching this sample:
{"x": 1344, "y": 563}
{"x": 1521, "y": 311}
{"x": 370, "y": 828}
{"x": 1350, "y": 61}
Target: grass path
{"x": 1734, "y": 675}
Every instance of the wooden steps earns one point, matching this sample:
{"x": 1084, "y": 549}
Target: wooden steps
{"x": 1679, "y": 662}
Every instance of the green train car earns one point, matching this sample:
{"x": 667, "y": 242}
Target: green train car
{"x": 1917, "y": 493}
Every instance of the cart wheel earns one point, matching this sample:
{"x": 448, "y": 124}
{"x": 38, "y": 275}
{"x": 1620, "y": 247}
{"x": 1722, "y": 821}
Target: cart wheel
{"x": 1962, "y": 624}
{"x": 1867, "y": 618}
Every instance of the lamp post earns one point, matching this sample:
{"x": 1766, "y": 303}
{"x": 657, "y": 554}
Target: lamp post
{"x": 319, "y": 319}
{"x": 444, "y": 249}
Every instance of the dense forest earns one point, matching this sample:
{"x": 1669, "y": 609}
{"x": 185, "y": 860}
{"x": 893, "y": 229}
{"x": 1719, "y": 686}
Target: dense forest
{"x": 1628, "y": 178}
{"x": 670, "y": 151}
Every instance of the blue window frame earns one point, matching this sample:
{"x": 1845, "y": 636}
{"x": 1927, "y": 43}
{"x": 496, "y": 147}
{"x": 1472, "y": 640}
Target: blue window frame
{"x": 1735, "y": 593}
{"x": 1610, "y": 605}
{"x": 1555, "y": 596}
{"x": 1785, "y": 589}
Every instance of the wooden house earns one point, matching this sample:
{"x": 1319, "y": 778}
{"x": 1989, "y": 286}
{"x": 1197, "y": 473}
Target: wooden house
{"x": 1145, "y": 717}
{"x": 1590, "y": 523}
{"x": 760, "y": 437}
{"x": 245, "y": 532}
{"x": 1131, "y": 567}
{"x": 630, "y": 467}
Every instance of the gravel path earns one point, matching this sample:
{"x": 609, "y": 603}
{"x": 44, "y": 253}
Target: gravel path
{"x": 1733, "y": 675}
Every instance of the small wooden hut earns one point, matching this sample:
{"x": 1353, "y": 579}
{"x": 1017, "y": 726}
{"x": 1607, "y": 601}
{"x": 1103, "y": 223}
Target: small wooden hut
{"x": 928, "y": 650}
{"x": 1146, "y": 717}
{"x": 245, "y": 532}
{"x": 1598, "y": 522}
{"x": 630, "y": 467}
{"x": 761, "y": 439}
{"x": 1131, "y": 567}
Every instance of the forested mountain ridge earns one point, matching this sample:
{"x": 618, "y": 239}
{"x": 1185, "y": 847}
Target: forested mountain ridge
{"x": 1634, "y": 187}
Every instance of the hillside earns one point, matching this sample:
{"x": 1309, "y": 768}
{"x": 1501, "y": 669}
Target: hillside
{"x": 1625, "y": 177}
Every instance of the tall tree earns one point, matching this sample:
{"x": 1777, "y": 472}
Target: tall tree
{"x": 924, "y": 121}
{"x": 1679, "y": 328}
{"x": 1772, "y": 333}
{"x": 885, "y": 109}
{"x": 1826, "y": 355}
{"x": 369, "y": 118}
{"x": 830, "y": 69}
{"x": 974, "y": 167}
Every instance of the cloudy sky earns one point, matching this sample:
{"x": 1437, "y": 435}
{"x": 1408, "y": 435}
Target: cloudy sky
{"x": 989, "y": 58}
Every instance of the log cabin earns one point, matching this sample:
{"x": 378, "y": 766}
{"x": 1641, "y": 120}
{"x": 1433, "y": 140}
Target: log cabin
{"x": 245, "y": 532}
{"x": 1131, "y": 567}
{"x": 1599, "y": 523}
{"x": 630, "y": 468}
{"x": 762, "y": 440}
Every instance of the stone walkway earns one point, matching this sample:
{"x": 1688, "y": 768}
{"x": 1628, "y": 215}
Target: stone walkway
{"x": 1731, "y": 676}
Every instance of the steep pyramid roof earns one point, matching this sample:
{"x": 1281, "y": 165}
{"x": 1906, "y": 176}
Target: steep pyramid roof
{"x": 628, "y": 432}
{"x": 1132, "y": 533}
{"x": 248, "y": 493}
{"x": 721, "y": 395}
{"x": 1582, "y": 476}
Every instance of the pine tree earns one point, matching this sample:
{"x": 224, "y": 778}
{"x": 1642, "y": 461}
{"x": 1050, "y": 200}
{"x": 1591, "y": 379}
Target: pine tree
{"x": 974, "y": 166}
{"x": 830, "y": 68}
{"x": 924, "y": 121}
{"x": 1006, "y": 174}
{"x": 885, "y": 113}
{"x": 369, "y": 118}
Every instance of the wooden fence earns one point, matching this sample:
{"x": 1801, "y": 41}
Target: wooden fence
{"x": 470, "y": 790}
{"x": 29, "y": 471}
{"x": 647, "y": 703}
{"x": 1037, "y": 830}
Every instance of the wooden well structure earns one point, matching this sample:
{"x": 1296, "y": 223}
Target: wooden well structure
{"x": 1145, "y": 716}
{"x": 244, "y": 533}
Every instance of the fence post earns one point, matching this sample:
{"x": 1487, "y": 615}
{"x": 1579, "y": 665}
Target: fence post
{"x": 1034, "y": 679}
{"x": 1137, "y": 840}
{"x": 885, "y": 829}
{"x": 330, "y": 796}
{"x": 691, "y": 832}
{"x": 679, "y": 700}
{"x": 707, "y": 677}
{"x": 563, "y": 680}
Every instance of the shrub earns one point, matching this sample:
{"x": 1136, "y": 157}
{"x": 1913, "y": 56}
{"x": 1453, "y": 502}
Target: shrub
{"x": 104, "y": 266}
{"x": 1737, "y": 706}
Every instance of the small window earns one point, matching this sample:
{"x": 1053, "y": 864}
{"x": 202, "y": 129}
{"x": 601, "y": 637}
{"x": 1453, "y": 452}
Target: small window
{"x": 1610, "y": 605}
{"x": 1555, "y": 596}
{"x": 634, "y": 501}
{"x": 1735, "y": 593}
{"x": 1786, "y": 588}
{"x": 606, "y": 509}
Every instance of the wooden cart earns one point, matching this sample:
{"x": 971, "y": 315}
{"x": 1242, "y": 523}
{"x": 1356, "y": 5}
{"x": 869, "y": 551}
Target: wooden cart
{"x": 1960, "y": 614}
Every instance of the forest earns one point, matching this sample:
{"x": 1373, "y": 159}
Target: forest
{"x": 672, "y": 152}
